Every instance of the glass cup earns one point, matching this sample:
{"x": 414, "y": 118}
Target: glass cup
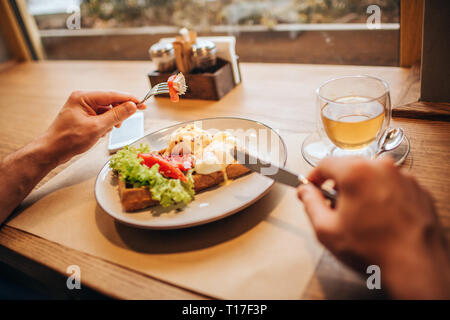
{"x": 352, "y": 114}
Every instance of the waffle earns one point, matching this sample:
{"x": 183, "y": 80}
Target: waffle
{"x": 133, "y": 199}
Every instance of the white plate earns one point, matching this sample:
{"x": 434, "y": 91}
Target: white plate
{"x": 210, "y": 205}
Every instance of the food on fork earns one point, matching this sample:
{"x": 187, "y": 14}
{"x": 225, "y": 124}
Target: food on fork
{"x": 194, "y": 160}
{"x": 177, "y": 86}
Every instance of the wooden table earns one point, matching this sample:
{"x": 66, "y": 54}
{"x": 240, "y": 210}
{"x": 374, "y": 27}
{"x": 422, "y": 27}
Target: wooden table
{"x": 281, "y": 95}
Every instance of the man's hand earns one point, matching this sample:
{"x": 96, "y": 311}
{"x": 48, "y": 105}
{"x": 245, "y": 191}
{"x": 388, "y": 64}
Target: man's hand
{"x": 382, "y": 217}
{"x": 86, "y": 117}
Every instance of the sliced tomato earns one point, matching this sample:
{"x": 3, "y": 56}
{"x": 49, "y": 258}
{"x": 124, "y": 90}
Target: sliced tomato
{"x": 166, "y": 167}
{"x": 172, "y": 91}
{"x": 183, "y": 162}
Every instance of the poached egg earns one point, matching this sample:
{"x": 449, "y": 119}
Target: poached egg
{"x": 211, "y": 152}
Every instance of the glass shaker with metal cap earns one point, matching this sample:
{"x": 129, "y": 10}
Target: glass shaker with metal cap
{"x": 163, "y": 57}
{"x": 203, "y": 54}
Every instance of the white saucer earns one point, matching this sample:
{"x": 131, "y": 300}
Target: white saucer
{"x": 314, "y": 149}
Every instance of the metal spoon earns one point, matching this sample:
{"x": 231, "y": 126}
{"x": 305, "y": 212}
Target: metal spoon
{"x": 390, "y": 141}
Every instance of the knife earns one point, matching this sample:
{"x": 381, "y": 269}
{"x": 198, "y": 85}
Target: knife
{"x": 282, "y": 175}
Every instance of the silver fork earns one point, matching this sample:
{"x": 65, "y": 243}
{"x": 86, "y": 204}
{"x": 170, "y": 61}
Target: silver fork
{"x": 160, "y": 88}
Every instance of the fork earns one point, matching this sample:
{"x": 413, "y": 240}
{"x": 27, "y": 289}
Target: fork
{"x": 160, "y": 88}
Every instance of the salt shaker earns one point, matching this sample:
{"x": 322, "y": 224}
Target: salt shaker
{"x": 203, "y": 54}
{"x": 163, "y": 56}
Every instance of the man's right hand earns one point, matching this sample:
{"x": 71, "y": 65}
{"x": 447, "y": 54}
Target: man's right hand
{"x": 383, "y": 217}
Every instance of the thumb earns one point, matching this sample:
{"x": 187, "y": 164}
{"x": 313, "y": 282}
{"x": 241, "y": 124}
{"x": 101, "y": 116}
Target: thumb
{"x": 316, "y": 206}
{"x": 117, "y": 114}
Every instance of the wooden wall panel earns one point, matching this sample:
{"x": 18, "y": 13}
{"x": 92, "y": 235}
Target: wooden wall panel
{"x": 31, "y": 29}
{"x": 12, "y": 34}
{"x": 411, "y": 21}
{"x": 435, "y": 75}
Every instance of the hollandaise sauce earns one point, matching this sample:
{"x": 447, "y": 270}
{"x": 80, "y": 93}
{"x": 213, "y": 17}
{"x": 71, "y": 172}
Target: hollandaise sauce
{"x": 226, "y": 181}
{"x": 212, "y": 153}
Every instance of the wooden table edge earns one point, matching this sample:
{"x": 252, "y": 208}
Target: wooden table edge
{"x": 420, "y": 110}
{"x": 120, "y": 282}
{"x": 127, "y": 284}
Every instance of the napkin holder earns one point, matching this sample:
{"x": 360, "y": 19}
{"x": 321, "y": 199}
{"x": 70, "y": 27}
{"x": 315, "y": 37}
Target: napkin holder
{"x": 211, "y": 84}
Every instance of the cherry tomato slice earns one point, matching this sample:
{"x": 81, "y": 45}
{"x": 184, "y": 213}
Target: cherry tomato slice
{"x": 166, "y": 167}
{"x": 172, "y": 91}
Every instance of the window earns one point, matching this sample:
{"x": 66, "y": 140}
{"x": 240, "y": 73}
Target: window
{"x": 291, "y": 31}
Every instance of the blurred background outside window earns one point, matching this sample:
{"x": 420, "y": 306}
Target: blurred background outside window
{"x": 288, "y": 31}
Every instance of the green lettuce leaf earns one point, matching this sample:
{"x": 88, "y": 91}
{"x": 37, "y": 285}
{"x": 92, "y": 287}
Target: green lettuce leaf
{"x": 135, "y": 174}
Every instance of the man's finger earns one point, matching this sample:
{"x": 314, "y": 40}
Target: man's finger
{"x": 103, "y": 109}
{"x": 117, "y": 114}
{"x": 333, "y": 168}
{"x": 106, "y": 98}
{"x": 142, "y": 106}
{"x": 316, "y": 206}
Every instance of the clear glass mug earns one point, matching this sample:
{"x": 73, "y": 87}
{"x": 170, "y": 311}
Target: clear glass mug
{"x": 352, "y": 114}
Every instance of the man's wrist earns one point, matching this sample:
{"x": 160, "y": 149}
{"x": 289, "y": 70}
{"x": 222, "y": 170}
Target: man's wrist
{"x": 22, "y": 170}
{"x": 43, "y": 153}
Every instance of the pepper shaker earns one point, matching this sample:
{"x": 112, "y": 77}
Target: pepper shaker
{"x": 203, "y": 54}
{"x": 163, "y": 56}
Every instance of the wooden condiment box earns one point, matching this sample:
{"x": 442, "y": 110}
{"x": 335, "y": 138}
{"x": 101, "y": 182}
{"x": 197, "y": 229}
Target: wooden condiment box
{"x": 212, "y": 84}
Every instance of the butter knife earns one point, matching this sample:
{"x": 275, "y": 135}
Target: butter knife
{"x": 281, "y": 175}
